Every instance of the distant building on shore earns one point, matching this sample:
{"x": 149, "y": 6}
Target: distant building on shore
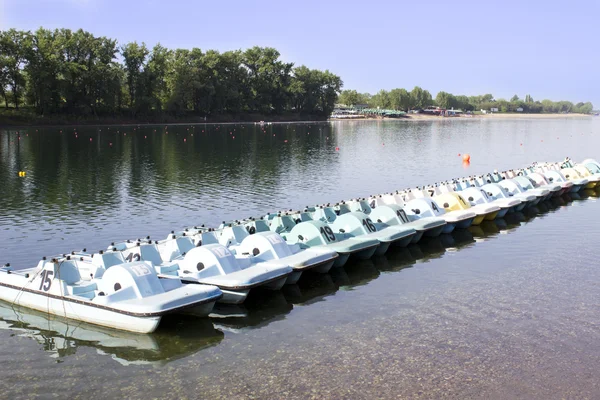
{"x": 452, "y": 113}
{"x": 520, "y": 109}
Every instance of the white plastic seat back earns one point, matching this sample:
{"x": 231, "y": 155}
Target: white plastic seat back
{"x": 325, "y": 214}
{"x": 233, "y": 235}
{"x": 68, "y": 272}
{"x": 149, "y": 252}
{"x": 108, "y": 259}
{"x": 419, "y": 194}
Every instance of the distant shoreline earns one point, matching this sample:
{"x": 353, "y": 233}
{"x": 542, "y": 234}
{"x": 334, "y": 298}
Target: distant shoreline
{"x": 250, "y": 119}
{"x": 425, "y": 117}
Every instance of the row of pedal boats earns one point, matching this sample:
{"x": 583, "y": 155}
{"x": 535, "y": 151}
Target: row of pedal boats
{"x": 132, "y": 284}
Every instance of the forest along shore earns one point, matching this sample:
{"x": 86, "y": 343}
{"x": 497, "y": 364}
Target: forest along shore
{"x": 59, "y": 77}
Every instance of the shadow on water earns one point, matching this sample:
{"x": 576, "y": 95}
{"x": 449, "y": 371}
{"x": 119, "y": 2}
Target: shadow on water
{"x": 265, "y": 307}
{"x": 261, "y": 308}
{"x": 177, "y": 337}
{"x": 312, "y": 288}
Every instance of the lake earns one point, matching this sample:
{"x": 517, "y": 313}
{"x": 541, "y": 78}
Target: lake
{"x": 504, "y": 310}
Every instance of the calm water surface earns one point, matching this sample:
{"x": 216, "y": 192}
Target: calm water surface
{"x": 509, "y": 309}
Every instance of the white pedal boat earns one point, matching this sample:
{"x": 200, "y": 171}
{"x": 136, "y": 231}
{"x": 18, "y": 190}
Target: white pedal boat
{"x": 359, "y": 225}
{"x": 528, "y": 183}
{"x": 478, "y": 199}
{"x": 265, "y": 246}
{"x": 418, "y": 205}
{"x": 541, "y": 180}
{"x": 126, "y": 296}
{"x": 476, "y": 194}
{"x": 553, "y": 174}
{"x": 386, "y": 215}
{"x": 544, "y": 193}
{"x": 307, "y": 233}
{"x": 393, "y": 214}
{"x": 211, "y": 264}
{"x": 515, "y": 189}
{"x": 582, "y": 171}
{"x": 497, "y": 192}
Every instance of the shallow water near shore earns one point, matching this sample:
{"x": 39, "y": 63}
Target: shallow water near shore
{"x": 508, "y": 309}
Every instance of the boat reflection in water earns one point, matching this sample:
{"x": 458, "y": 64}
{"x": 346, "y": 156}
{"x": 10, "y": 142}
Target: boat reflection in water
{"x": 176, "y": 337}
{"x": 260, "y": 309}
{"x": 181, "y": 336}
{"x": 310, "y": 289}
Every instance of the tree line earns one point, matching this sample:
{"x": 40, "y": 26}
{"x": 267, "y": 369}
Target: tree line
{"x": 417, "y": 98}
{"x": 76, "y": 73}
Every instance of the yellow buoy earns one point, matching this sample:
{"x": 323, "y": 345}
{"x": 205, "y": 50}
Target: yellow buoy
{"x": 21, "y": 173}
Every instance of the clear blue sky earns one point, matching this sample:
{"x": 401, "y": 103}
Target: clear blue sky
{"x": 548, "y": 49}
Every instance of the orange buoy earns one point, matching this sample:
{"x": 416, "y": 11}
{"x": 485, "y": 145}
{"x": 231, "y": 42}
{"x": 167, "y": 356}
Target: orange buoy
{"x": 337, "y": 149}
{"x": 459, "y": 154}
{"x": 466, "y": 158}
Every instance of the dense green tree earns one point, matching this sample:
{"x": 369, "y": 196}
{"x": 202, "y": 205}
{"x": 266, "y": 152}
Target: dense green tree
{"x": 352, "y": 97}
{"x": 400, "y": 99}
{"x": 381, "y": 100}
{"x": 44, "y": 61}
{"x": 4, "y": 80}
{"x": 462, "y": 102}
{"x": 585, "y": 108}
{"x": 445, "y": 100}
{"x": 514, "y": 99}
{"x": 268, "y": 79}
{"x": 314, "y": 91}
{"x": 13, "y": 48}
{"x": 156, "y": 77}
{"x": 134, "y": 58}
{"x": 420, "y": 98}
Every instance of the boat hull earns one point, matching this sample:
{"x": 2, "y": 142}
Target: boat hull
{"x": 435, "y": 232}
{"x": 341, "y": 260}
{"x": 293, "y": 277}
{"x": 417, "y": 237}
{"x": 478, "y": 219}
{"x": 503, "y": 212}
{"x": 366, "y": 253}
{"x": 81, "y": 312}
{"x": 575, "y": 188}
{"x": 233, "y": 296}
{"x": 449, "y": 227}
{"x": 491, "y": 216}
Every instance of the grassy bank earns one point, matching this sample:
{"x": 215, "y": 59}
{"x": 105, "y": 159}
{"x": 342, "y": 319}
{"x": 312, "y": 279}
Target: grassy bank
{"x": 26, "y": 117}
